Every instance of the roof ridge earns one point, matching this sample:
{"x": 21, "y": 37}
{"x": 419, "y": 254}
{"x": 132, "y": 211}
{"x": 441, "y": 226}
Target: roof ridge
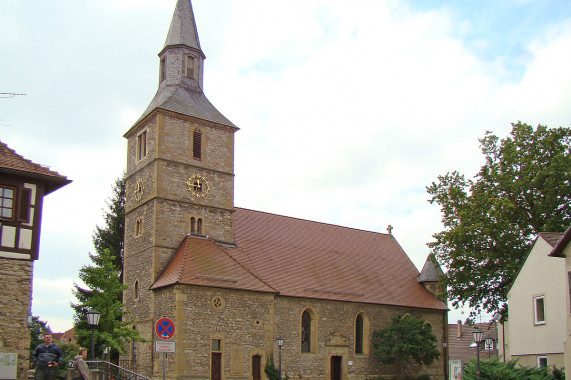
{"x": 242, "y": 265}
{"x": 315, "y": 221}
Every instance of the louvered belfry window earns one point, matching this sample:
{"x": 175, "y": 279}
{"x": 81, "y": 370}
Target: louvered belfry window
{"x": 197, "y": 144}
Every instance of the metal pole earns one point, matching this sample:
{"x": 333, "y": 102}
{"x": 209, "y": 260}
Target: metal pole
{"x": 92, "y": 340}
{"x": 164, "y": 365}
{"x": 478, "y": 360}
{"x": 280, "y": 362}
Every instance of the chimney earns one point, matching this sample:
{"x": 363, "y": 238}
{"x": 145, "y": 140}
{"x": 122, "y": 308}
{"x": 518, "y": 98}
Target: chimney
{"x": 459, "y": 329}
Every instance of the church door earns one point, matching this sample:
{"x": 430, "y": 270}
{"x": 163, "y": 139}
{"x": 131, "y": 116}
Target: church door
{"x": 336, "y": 367}
{"x": 256, "y": 367}
{"x": 216, "y": 370}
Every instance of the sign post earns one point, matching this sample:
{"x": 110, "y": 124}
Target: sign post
{"x": 165, "y": 330}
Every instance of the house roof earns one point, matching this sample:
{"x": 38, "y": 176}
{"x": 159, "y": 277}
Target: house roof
{"x": 550, "y": 238}
{"x": 460, "y": 339}
{"x": 561, "y": 244}
{"x": 431, "y": 271}
{"x": 13, "y": 163}
{"x": 301, "y": 258}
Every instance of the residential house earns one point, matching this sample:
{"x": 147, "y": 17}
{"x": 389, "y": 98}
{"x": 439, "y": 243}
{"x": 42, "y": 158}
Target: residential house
{"x": 537, "y": 307}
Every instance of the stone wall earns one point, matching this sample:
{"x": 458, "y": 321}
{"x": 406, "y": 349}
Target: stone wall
{"x": 15, "y": 304}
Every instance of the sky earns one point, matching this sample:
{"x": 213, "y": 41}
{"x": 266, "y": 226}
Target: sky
{"x": 347, "y": 110}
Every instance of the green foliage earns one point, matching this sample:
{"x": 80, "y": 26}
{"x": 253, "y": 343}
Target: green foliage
{"x": 490, "y": 222}
{"x": 69, "y": 351}
{"x": 37, "y": 333}
{"x": 270, "y": 369}
{"x": 406, "y": 340}
{"x": 494, "y": 369}
{"x": 102, "y": 294}
{"x": 111, "y": 236}
{"x": 104, "y": 291}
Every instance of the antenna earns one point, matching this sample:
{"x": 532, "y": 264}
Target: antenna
{"x": 10, "y": 94}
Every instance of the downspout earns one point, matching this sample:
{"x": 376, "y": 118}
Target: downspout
{"x": 445, "y": 343}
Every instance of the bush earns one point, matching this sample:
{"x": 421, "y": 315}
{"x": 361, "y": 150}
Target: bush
{"x": 494, "y": 369}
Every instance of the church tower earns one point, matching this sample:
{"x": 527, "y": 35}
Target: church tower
{"x": 180, "y": 169}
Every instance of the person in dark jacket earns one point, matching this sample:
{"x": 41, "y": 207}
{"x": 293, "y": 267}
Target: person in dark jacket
{"x": 80, "y": 369}
{"x": 47, "y": 356}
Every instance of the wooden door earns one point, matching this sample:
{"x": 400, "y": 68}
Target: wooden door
{"x": 256, "y": 367}
{"x": 336, "y": 368}
{"x": 216, "y": 369}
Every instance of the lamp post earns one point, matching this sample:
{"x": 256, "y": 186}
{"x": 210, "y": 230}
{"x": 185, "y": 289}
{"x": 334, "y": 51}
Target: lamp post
{"x": 280, "y": 342}
{"x": 490, "y": 346}
{"x": 477, "y": 334}
{"x": 93, "y": 320}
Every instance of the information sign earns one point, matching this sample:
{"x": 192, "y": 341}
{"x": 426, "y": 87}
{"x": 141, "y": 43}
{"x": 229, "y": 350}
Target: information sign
{"x": 164, "y": 346}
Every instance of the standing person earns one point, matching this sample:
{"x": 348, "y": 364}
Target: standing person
{"x": 80, "y": 369}
{"x": 47, "y": 356}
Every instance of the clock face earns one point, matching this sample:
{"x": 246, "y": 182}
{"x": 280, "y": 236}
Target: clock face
{"x": 139, "y": 189}
{"x": 198, "y": 186}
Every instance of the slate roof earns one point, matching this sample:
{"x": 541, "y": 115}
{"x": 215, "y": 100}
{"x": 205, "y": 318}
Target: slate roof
{"x": 431, "y": 271}
{"x": 185, "y": 101}
{"x": 301, "y": 258}
{"x": 13, "y": 163}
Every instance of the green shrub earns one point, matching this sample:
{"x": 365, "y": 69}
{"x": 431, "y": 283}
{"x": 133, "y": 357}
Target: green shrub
{"x": 494, "y": 369}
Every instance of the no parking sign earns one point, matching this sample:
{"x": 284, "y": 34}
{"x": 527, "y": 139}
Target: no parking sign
{"x": 165, "y": 328}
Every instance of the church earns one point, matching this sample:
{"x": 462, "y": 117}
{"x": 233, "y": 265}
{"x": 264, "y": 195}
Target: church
{"x": 234, "y": 280}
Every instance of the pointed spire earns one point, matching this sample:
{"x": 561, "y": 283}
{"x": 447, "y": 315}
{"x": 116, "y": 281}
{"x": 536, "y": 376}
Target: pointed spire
{"x": 431, "y": 272}
{"x": 183, "y": 27}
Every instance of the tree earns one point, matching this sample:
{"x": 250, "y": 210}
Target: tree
{"x": 490, "y": 222}
{"x": 112, "y": 235}
{"x": 37, "y": 330}
{"x": 104, "y": 291}
{"x": 406, "y": 340}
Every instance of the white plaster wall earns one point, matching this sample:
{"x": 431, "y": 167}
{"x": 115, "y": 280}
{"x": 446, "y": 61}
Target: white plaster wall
{"x": 540, "y": 275}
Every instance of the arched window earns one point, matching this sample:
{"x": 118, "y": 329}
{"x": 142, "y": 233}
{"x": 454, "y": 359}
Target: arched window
{"x": 197, "y": 144}
{"x": 308, "y": 331}
{"x": 199, "y": 226}
{"x": 359, "y": 334}
{"x": 136, "y": 290}
{"x": 193, "y": 225}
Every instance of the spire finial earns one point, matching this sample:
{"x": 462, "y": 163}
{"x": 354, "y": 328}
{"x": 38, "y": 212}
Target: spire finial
{"x": 390, "y": 229}
{"x": 183, "y": 27}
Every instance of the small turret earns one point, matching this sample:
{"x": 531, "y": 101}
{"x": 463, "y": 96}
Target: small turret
{"x": 430, "y": 277}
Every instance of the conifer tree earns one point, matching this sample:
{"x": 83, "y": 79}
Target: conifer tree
{"x": 103, "y": 280}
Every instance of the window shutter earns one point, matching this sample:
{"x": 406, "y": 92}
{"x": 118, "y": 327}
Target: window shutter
{"x": 24, "y": 209}
{"x": 197, "y": 144}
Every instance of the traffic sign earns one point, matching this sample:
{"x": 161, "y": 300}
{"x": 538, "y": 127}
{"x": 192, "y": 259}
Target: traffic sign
{"x": 165, "y": 328}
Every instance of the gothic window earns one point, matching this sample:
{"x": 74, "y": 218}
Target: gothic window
{"x": 196, "y": 226}
{"x": 307, "y": 331}
{"x": 163, "y": 69}
{"x": 142, "y": 145}
{"x": 7, "y": 199}
{"x": 359, "y": 334}
{"x": 189, "y": 67}
{"x": 197, "y": 144}
{"x": 136, "y": 290}
{"x": 139, "y": 227}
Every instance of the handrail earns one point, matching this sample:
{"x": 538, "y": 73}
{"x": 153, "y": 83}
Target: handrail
{"x": 103, "y": 370}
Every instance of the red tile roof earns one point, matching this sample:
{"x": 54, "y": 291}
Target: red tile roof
{"x": 301, "y": 258}
{"x": 12, "y": 162}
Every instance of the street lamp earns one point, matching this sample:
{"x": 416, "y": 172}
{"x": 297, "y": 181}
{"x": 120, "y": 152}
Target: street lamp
{"x": 490, "y": 346}
{"x": 477, "y": 333}
{"x": 280, "y": 342}
{"x": 93, "y": 320}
